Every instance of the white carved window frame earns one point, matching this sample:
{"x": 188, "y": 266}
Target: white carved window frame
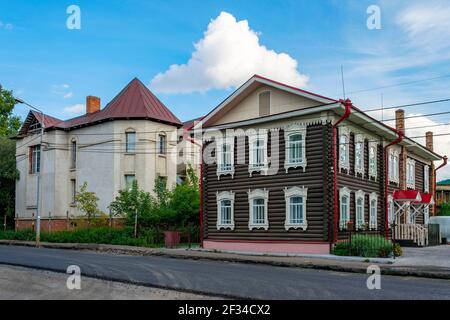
{"x": 344, "y": 131}
{"x": 252, "y": 138}
{"x": 220, "y": 196}
{"x": 295, "y": 192}
{"x": 373, "y": 170}
{"x": 391, "y": 211}
{"x": 344, "y": 192}
{"x": 359, "y": 139}
{"x": 393, "y": 166}
{"x": 410, "y": 173}
{"x": 426, "y": 178}
{"x": 360, "y": 195}
{"x": 258, "y": 194}
{"x": 373, "y": 221}
{"x": 220, "y": 142}
{"x": 289, "y": 132}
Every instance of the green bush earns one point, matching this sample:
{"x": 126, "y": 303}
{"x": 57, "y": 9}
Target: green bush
{"x": 102, "y": 235}
{"x": 445, "y": 209}
{"x": 367, "y": 246}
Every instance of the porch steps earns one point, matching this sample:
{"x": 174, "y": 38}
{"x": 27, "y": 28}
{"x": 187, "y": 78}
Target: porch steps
{"x": 407, "y": 243}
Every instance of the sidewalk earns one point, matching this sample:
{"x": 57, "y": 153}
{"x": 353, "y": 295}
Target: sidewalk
{"x": 398, "y": 267}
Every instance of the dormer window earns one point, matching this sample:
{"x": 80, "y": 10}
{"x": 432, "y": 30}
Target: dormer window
{"x": 264, "y": 103}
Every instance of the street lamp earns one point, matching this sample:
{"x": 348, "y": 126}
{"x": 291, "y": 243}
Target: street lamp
{"x": 38, "y": 210}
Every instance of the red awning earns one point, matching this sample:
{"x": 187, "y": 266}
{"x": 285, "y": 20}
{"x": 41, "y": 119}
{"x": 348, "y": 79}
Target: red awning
{"x": 427, "y": 198}
{"x": 407, "y": 195}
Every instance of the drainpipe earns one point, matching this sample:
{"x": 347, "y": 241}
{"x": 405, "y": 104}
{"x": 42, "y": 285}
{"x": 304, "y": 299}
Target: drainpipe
{"x": 400, "y": 136}
{"x": 348, "y": 107}
{"x": 188, "y": 138}
{"x": 445, "y": 159}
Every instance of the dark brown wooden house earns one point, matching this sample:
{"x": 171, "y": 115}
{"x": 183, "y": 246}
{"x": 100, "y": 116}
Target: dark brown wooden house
{"x": 286, "y": 170}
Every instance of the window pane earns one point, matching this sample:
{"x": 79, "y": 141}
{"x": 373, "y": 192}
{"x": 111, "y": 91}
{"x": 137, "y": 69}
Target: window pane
{"x": 296, "y": 210}
{"x": 131, "y": 141}
{"x": 162, "y": 144}
{"x": 258, "y": 211}
{"x": 129, "y": 179}
{"x": 73, "y": 155}
{"x": 225, "y": 211}
{"x": 295, "y": 145}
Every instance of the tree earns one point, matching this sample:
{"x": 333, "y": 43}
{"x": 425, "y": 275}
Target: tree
{"x": 87, "y": 203}
{"x": 9, "y": 124}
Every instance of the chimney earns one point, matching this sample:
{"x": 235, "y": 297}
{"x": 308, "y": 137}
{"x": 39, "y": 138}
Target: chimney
{"x": 92, "y": 104}
{"x": 400, "y": 120}
{"x": 429, "y": 140}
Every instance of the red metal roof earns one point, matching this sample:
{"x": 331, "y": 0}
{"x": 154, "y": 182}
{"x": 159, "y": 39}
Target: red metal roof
{"x": 426, "y": 198}
{"x": 407, "y": 195}
{"x": 135, "y": 101}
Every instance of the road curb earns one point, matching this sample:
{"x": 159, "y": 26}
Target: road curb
{"x": 306, "y": 263}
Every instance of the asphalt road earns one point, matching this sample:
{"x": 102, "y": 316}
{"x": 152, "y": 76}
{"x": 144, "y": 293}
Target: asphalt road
{"x": 226, "y": 279}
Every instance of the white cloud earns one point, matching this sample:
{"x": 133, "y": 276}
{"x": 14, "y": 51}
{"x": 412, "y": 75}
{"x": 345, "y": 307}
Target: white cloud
{"x": 427, "y": 24}
{"x": 227, "y": 55}
{"x": 6, "y": 26}
{"x": 75, "y": 109}
{"x": 62, "y": 90}
{"x": 68, "y": 95}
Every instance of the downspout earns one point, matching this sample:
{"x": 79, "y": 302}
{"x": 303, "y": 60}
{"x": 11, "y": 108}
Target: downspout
{"x": 188, "y": 138}
{"x": 399, "y": 139}
{"x": 445, "y": 159}
{"x": 348, "y": 107}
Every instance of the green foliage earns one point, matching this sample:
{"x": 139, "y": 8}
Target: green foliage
{"x": 8, "y": 176}
{"x": 9, "y": 124}
{"x": 445, "y": 209}
{"x": 368, "y": 246}
{"x": 87, "y": 202}
{"x": 167, "y": 210}
{"x": 102, "y": 235}
{"x": 397, "y": 250}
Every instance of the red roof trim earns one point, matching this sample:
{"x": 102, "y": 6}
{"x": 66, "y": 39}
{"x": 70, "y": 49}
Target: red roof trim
{"x": 407, "y": 195}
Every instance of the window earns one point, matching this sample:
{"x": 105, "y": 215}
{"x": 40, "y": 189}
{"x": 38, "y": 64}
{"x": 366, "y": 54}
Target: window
{"x": 390, "y": 210}
{"x": 225, "y": 156}
{"x": 426, "y": 214}
{"x": 373, "y": 223}
{"x": 393, "y": 166}
{"x": 258, "y": 152}
{"x": 73, "y": 190}
{"x": 295, "y": 208}
{"x": 343, "y": 149}
{"x": 225, "y": 210}
{"x": 35, "y": 159}
{"x": 410, "y": 216}
{"x": 264, "y": 103}
{"x": 359, "y": 199}
{"x": 130, "y": 142}
{"x": 129, "y": 179}
{"x": 295, "y": 139}
{"x": 162, "y": 144}
{"x": 73, "y": 154}
{"x": 344, "y": 216}
{"x": 258, "y": 200}
{"x": 426, "y": 179}
{"x": 410, "y": 173}
{"x": 359, "y": 154}
{"x": 372, "y": 160}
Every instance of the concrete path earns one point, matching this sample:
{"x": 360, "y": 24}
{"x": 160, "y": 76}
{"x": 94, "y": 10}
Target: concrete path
{"x": 17, "y": 283}
{"x": 225, "y": 278}
{"x": 438, "y": 256}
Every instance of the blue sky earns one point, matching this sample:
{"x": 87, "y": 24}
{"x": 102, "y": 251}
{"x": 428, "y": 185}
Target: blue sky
{"x": 54, "y": 68}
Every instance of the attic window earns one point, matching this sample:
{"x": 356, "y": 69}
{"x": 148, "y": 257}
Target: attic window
{"x": 264, "y": 103}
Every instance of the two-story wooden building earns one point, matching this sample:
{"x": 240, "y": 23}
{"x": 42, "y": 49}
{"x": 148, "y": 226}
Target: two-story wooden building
{"x": 286, "y": 170}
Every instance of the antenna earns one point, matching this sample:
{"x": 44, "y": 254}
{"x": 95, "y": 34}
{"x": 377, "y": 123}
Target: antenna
{"x": 342, "y": 79}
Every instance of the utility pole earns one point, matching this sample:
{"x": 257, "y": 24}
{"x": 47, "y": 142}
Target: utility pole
{"x": 39, "y": 202}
